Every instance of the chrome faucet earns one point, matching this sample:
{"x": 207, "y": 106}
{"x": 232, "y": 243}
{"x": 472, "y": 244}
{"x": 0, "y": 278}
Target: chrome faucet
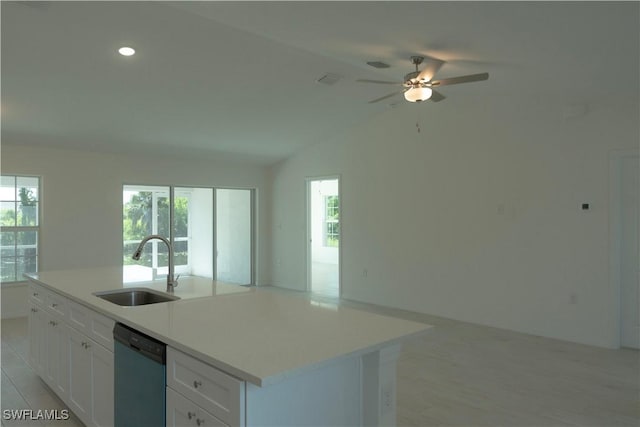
{"x": 172, "y": 281}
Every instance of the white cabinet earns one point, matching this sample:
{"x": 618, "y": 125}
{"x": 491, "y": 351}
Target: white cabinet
{"x": 71, "y": 348}
{"x": 182, "y": 412}
{"x": 47, "y": 337}
{"x": 90, "y": 380}
{"x": 201, "y": 394}
{"x": 102, "y": 385}
{"x": 79, "y": 375}
{"x": 37, "y": 337}
{"x": 56, "y": 363}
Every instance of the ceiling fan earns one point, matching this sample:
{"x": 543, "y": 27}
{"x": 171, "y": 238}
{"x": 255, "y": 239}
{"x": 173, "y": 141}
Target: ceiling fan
{"x": 419, "y": 85}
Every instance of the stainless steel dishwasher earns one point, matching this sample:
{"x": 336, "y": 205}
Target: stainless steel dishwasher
{"x": 140, "y": 379}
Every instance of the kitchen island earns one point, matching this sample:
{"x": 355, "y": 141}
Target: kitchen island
{"x": 265, "y": 358}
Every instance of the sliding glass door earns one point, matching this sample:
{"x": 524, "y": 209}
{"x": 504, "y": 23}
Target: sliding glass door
{"x": 145, "y": 211}
{"x": 233, "y": 235}
{"x": 196, "y": 239}
{"x": 201, "y": 228}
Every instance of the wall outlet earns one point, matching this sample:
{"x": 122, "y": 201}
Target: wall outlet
{"x": 364, "y": 273}
{"x": 573, "y": 298}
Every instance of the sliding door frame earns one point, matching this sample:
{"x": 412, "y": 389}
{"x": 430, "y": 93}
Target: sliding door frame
{"x": 253, "y": 231}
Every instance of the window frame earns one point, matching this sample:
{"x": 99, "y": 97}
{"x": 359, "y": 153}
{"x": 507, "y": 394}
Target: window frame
{"x": 20, "y": 281}
{"x": 330, "y": 222}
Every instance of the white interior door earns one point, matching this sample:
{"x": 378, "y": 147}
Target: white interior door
{"x": 323, "y": 208}
{"x": 629, "y": 261}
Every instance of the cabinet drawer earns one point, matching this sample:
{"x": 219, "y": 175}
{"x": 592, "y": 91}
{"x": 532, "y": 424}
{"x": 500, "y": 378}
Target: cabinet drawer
{"x": 183, "y": 412}
{"x": 95, "y": 325}
{"x": 79, "y": 317}
{"x": 37, "y": 293}
{"x": 56, "y": 304}
{"x": 101, "y": 329}
{"x": 216, "y": 392}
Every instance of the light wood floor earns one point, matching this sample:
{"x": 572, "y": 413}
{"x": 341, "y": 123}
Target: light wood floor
{"x": 460, "y": 374}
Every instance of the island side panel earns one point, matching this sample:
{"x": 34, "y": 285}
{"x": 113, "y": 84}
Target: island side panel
{"x": 328, "y": 396}
{"x": 379, "y": 386}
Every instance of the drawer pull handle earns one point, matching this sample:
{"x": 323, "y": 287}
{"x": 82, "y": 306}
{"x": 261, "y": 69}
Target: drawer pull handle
{"x": 197, "y": 384}
{"x": 35, "y": 294}
{"x": 54, "y": 305}
{"x": 86, "y": 344}
{"x": 34, "y": 310}
{"x": 190, "y": 414}
{"x": 199, "y": 421}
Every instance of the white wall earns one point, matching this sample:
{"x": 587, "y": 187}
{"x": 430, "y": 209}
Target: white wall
{"x": 82, "y": 203}
{"x": 476, "y": 217}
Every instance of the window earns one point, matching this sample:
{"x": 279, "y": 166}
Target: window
{"x": 332, "y": 223}
{"x": 19, "y": 226}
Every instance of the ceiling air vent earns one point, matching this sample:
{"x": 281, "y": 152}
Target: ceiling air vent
{"x": 378, "y": 64}
{"x": 328, "y": 79}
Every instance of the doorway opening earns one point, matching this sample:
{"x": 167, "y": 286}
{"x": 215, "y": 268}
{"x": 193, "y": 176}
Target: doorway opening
{"x": 625, "y": 217}
{"x": 323, "y": 230}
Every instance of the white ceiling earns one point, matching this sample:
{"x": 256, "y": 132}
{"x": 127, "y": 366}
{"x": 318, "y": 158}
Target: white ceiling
{"x": 238, "y": 79}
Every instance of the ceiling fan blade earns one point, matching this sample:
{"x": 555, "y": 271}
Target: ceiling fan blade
{"x": 384, "y": 97}
{"x": 461, "y": 79}
{"x": 382, "y": 82}
{"x": 431, "y": 67}
{"x": 436, "y": 96}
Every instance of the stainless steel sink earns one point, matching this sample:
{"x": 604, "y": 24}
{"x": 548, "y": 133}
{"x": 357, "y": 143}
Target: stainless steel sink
{"x": 135, "y": 296}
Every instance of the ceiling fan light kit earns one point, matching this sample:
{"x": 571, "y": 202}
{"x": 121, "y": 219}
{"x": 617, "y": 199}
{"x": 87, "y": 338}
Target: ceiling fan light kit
{"x": 419, "y": 84}
{"x": 418, "y": 93}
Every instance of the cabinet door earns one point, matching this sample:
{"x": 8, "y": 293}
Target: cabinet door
{"x": 102, "y": 385}
{"x": 180, "y": 411}
{"x": 58, "y": 369}
{"x": 37, "y": 336}
{"x": 79, "y": 375}
{"x": 50, "y": 364}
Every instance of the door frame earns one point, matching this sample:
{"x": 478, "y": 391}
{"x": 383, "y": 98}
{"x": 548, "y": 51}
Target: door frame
{"x": 616, "y": 158}
{"x": 308, "y": 181}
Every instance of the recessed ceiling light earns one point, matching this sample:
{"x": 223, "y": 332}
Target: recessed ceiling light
{"x": 126, "y": 51}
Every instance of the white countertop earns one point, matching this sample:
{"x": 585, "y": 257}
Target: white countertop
{"x": 259, "y": 336}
